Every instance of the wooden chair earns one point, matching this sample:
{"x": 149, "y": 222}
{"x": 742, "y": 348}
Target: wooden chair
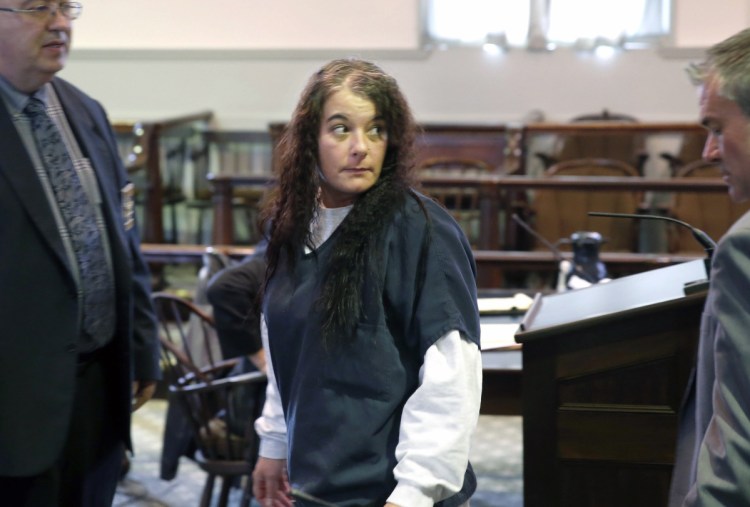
{"x": 691, "y": 151}
{"x": 219, "y": 406}
{"x": 711, "y": 212}
{"x": 559, "y": 213}
{"x": 627, "y": 147}
{"x": 489, "y": 143}
{"x": 461, "y": 202}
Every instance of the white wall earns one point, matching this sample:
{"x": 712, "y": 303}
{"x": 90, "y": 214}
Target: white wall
{"x": 700, "y": 23}
{"x": 248, "y": 88}
{"x": 249, "y": 24}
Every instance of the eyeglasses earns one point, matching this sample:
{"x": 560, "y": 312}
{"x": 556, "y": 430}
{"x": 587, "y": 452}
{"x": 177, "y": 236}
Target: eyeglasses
{"x": 70, "y": 10}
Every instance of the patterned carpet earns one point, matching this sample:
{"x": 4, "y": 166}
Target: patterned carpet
{"x": 496, "y": 457}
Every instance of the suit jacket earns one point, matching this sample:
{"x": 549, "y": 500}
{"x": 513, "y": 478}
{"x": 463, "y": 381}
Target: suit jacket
{"x": 39, "y": 327}
{"x": 713, "y": 450}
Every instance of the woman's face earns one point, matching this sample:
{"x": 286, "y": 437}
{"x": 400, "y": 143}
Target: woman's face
{"x": 351, "y": 148}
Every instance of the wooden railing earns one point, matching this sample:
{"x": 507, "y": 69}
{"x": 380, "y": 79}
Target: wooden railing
{"x": 612, "y": 128}
{"x": 505, "y": 148}
{"x": 495, "y": 195}
{"x": 492, "y": 265}
{"x": 641, "y": 145}
{"x": 160, "y": 253}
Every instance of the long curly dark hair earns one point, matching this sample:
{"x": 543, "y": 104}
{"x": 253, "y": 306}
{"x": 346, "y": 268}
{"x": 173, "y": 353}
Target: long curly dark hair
{"x": 293, "y": 202}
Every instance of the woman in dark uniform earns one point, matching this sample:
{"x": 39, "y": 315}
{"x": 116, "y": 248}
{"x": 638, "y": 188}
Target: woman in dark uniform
{"x": 370, "y": 317}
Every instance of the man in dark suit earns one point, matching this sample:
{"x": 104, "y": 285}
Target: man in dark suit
{"x": 713, "y": 450}
{"x": 78, "y": 345}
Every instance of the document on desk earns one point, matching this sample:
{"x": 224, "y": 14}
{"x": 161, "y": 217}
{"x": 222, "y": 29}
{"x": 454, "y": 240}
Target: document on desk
{"x": 519, "y": 302}
{"x": 498, "y": 335}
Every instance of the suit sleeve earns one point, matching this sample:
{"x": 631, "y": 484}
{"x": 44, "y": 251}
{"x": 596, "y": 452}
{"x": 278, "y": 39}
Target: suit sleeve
{"x": 724, "y": 457}
{"x": 144, "y": 342}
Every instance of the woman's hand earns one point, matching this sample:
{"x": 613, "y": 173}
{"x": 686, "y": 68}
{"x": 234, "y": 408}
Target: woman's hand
{"x": 270, "y": 483}
{"x": 142, "y": 392}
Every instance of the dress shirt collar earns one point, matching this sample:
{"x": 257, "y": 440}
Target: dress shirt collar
{"x": 17, "y": 100}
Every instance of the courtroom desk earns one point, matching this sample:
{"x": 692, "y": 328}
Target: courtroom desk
{"x": 501, "y": 382}
{"x": 605, "y": 369}
{"x": 501, "y": 355}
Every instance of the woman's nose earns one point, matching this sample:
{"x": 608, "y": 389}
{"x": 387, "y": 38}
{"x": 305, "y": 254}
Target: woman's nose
{"x": 359, "y": 146}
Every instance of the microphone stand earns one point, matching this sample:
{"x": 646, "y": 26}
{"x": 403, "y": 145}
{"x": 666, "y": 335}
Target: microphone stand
{"x": 704, "y": 239}
{"x": 708, "y": 244}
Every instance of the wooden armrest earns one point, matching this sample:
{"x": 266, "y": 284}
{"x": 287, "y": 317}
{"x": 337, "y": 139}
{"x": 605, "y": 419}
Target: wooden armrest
{"x": 184, "y": 384}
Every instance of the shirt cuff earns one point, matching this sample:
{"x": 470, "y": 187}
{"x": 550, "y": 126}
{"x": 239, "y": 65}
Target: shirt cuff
{"x": 411, "y": 496}
{"x": 272, "y": 449}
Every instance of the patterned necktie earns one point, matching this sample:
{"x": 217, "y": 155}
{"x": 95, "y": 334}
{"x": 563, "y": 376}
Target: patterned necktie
{"x": 79, "y": 215}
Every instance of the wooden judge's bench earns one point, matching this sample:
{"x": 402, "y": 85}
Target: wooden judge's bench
{"x": 604, "y": 372}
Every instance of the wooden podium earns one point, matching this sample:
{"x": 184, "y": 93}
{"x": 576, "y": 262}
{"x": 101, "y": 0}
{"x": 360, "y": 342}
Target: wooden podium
{"x": 604, "y": 371}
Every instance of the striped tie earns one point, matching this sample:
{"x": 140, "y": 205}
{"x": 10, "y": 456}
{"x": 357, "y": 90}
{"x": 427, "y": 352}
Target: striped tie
{"x": 80, "y": 218}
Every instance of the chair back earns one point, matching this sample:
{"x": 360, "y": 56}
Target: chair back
{"x": 559, "y": 213}
{"x": 607, "y": 143}
{"x": 711, "y": 212}
{"x": 461, "y": 202}
{"x": 187, "y": 335}
{"x": 219, "y": 403}
{"x": 690, "y": 151}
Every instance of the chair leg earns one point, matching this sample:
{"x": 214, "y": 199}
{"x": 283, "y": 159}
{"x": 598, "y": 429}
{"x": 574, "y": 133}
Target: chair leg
{"x": 247, "y": 492}
{"x": 208, "y": 490}
{"x": 226, "y": 486}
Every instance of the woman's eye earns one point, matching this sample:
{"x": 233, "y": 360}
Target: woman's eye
{"x": 377, "y": 131}
{"x": 338, "y": 130}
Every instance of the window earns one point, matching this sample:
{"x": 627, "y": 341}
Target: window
{"x": 544, "y": 24}
{"x": 473, "y": 21}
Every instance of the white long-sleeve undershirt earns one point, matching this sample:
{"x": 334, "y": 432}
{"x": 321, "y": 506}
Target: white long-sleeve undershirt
{"x": 436, "y": 426}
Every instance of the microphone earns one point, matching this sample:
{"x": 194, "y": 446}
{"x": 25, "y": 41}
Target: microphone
{"x": 704, "y": 239}
{"x": 577, "y": 269}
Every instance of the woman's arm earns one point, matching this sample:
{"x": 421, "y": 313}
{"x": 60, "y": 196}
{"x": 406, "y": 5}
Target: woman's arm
{"x": 270, "y": 480}
{"x": 438, "y": 422}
